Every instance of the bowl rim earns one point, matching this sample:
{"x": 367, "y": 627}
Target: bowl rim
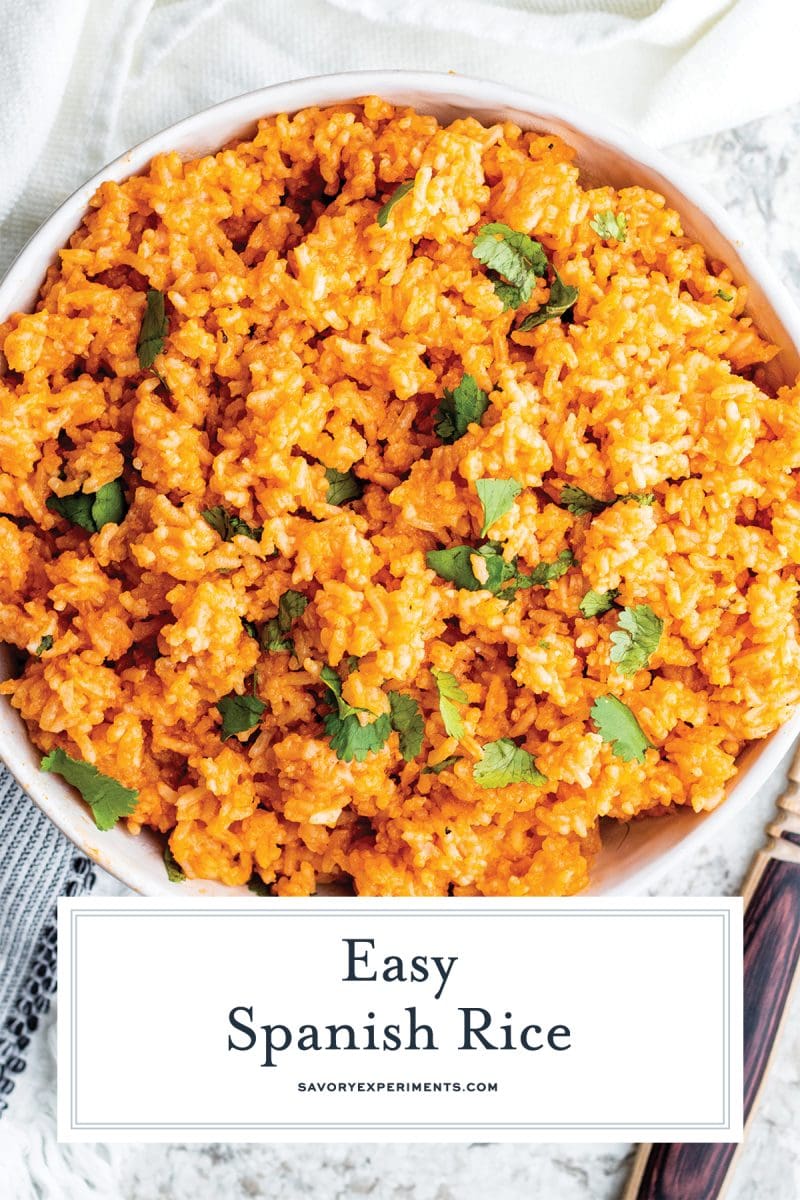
{"x": 432, "y": 86}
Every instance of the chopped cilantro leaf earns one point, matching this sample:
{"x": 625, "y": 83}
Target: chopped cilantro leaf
{"x": 349, "y": 738}
{"x": 109, "y": 504}
{"x": 291, "y": 605}
{"x": 444, "y": 765}
{"x": 229, "y": 525}
{"x": 502, "y": 578}
{"x": 45, "y": 644}
{"x": 239, "y": 713}
{"x": 334, "y": 686}
{"x": 256, "y": 885}
{"x": 505, "y": 762}
{"x": 107, "y": 798}
{"x": 153, "y": 331}
{"x": 547, "y": 573}
{"x": 460, "y": 408}
{"x": 397, "y": 194}
{"x": 562, "y": 297}
{"x": 251, "y": 629}
{"x": 272, "y": 639}
{"x": 617, "y": 725}
{"x": 454, "y": 565}
{"x": 514, "y": 256}
{"x": 594, "y": 604}
{"x": 92, "y": 510}
{"x": 579, "y": 502}
{"x": 609, "y": 225}
{"x": 76, "y": 508}
{"x": 497, "y": 497}
{"x": 644, "y": 499}
{"x": 175, "y": 873}
{"x": 274, "y": 635}
{"x": 352, "y": 740}
{"x": 343, "y": 486}
{"x": 636, "y": 639}
{"x": 450, "y": 695}
{"x": 406, "y": 720}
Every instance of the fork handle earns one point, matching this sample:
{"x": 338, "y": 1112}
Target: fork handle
{"x": 701, "y": 1171}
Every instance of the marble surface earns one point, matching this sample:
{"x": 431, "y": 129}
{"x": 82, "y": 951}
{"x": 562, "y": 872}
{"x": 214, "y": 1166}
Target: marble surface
{"x": 755, "y": 172}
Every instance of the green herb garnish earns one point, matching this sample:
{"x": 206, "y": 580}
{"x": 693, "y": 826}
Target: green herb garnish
{"x": 343, "y": 486}
{"x": 608, "y": 225}
{"x": 546, "y": 573}
{"x": 450, "y": 695}
{"x": 514, "y": 257}
{"x": 406, "y": 720}
{"x": 397, "y": 194}
{"x": 497, "y": 496}
{"x": 579, "y": 502}
{"x": 725, "y": 295}
{"x": 352, "y": 740}
{"x": 256, "y": 885}
{"x": 636, "y": 639}
{"x": 45, "y": 644}
{"x": 107, "y": 798}
{"x": 562, "y": 297}
{"x": 92, "y": 510}
{"x": 643, "y": 499}
{"x": 444, "y": 765}
{"x": 273, "y": 636}
{"x": 594, "y": 604}
{"x": 503, "y": 578}
{"x": 175, "y": 873}
{"x": 617, "y": 725}
{"x": 239, "y": 713}
{"x": 229, "y": 525}
{"x": 505, "y": 762}
{"x": 454, "y": 565}
{"x": 153, "y": 331}
{"x": 460, "y": 408}
{"x": 334, "y": 686}
{"x": 349, "y": 738}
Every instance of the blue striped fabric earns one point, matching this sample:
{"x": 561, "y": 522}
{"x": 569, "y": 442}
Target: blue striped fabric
{"x": 37, "y": 864}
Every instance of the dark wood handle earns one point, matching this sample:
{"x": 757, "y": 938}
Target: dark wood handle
{"x": 700, "y": 1171}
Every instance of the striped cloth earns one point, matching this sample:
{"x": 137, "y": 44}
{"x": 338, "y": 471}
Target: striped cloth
{"x": 37, "y": 864}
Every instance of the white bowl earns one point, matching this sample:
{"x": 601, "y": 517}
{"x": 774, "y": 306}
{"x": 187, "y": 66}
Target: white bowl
{"x": 606, "y": 154}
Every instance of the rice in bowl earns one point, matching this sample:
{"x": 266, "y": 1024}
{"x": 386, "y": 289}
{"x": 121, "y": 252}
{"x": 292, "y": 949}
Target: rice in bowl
{"x": 336, "y": 573}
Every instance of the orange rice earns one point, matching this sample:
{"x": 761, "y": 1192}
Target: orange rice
{"x": 305, "y": 336}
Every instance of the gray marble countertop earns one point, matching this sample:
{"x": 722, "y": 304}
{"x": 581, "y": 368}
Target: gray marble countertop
{"x": 755, "y": 172}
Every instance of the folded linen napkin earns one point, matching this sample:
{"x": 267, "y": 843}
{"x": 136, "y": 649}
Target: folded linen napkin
{"x": 669, "y": 69}
{"x": 83, "y": 80}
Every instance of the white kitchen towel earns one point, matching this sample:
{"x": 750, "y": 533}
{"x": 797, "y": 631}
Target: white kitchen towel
{"x": 80, "y": 80}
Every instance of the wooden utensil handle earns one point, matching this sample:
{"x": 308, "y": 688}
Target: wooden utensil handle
{"x": 700, "y": 1171}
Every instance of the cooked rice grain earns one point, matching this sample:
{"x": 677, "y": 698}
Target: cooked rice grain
{"x": 303, "y": 336}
